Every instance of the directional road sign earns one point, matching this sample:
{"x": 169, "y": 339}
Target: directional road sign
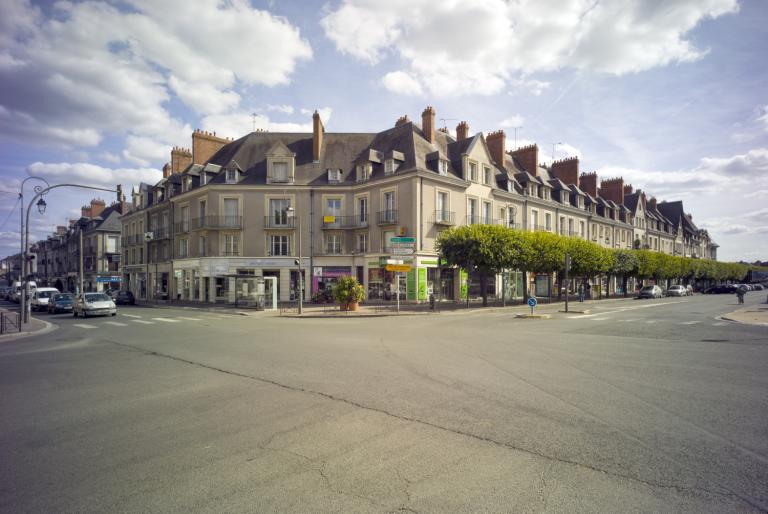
{"x": 402, "y": 268}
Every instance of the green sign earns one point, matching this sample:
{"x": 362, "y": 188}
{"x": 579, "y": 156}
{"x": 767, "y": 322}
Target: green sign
{"x": 411, "y": 284}
{"x": 403, "y": 239}
{"x": 422, "y": 283}
{"x": 463, "y": 281}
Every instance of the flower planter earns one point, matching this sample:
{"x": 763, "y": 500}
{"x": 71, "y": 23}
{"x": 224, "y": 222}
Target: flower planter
{"x": 351, "y": 306}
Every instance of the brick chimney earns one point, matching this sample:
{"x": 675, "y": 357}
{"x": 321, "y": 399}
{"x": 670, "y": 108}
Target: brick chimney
{"x": 97, "y": 207}
{"x": 444, "y": 130}
{"x": 628, "y": 189}
{"x": 588, "y": 183}
{"x": 652, "y": 204}
{"x": 167, "y": 170}
{"x": 428, "y": 124}
{"x": 528, "y": 158}
{"x": 61, "y": 230}
{"x": 180, "y": 159}
{"x": 402, "y": 120}
{"x": 497, "y": 142}
{"x": 85, "y": 211}
{"x": 462, "y": 131}
{"x": 317, "y": 136}
{"x": 613, "y": 189}
{"x": 566, "y": 170}
{"x": 205, "y": 144}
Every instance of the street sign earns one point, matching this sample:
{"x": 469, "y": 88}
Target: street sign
{"x": 113, "y": 278}
{"x": 396, "y": 250}
{"x": 394, "y": 261}
{"x": 410, "y": 240}
{"x": 532, "y": 302}
{"x": 402, "y": 268}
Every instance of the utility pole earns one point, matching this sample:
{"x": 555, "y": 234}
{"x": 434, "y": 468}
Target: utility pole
{"x": 553, "y": 149}
{"x": 567, "y": 267}
{"x": 80, "y": 274}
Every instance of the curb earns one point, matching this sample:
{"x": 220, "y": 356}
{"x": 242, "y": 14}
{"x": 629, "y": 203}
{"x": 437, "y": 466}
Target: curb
{"x": 49, "y": 327}
{"x": 743, "y": 322}
{"x": 533, "y": 316}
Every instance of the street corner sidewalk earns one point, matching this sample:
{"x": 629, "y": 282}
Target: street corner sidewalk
{"x": 34, "y": 327}
{"x": 753, "y": 315}
{"x": 363, "y": 311}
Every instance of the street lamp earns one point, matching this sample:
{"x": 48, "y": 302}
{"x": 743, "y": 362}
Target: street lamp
{"x": 293, "y": 214}
{"x": 23, "y": 250}
{"x": 41, "y": 205}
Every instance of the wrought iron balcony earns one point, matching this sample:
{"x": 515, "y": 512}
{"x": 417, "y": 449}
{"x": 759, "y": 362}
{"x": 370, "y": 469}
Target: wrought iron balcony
{"x": 337, "y": 222}
{"x": 388, "y": 217}
{"x": 217, "y": 222}
{"x": 479, "y": 220}
{"x": 279, "y": 221}
{"x": 445, "y": 218}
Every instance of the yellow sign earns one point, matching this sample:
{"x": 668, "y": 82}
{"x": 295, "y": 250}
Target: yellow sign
{"x": 398, "y": 267}
{"x": 329, "y": 219}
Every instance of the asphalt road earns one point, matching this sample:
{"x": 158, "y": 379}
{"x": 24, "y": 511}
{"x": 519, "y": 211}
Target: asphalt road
{"x": 641, "y": 406}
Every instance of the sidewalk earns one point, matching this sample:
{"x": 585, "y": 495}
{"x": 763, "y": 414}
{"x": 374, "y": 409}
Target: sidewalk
{"x": 34, "y": 327}
{"x": 754, "y": 315}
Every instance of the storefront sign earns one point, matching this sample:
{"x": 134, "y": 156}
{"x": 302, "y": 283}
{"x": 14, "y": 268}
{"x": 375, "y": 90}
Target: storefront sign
{"x": 329, "y": 219}
{"x": 317, "y": 271}
{"x": 109, "y": 279}
{"x": 401, "y": 268}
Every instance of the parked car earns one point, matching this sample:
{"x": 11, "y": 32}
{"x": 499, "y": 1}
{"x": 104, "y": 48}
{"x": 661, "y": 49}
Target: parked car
{"x": 721, "y": 289}
{"x": 40, "y": 298}
{"x": 5, "y": 292}
{"x": 123, "y": 298}
{"x": 689, "y": 288}
{"x": 16, "y": 295}
{"x": 650, "y": 292}
{"x": 94, "y": 304}
{"x": 61, "y": 302}
{"x": 758, "y": 287}
{"x": 677, "y": 290}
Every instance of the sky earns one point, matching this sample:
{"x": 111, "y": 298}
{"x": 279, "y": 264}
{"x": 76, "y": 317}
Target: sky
{"x": 669, "y": 94}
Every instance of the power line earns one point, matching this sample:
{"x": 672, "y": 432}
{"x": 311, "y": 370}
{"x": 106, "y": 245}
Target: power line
{"x": 10, "y": 213}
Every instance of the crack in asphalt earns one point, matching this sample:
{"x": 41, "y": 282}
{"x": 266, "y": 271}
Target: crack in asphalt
{"x": 502, "y": 444}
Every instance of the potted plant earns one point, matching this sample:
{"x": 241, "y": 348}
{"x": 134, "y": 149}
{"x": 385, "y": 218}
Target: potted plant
{"x": 348, "y": 293}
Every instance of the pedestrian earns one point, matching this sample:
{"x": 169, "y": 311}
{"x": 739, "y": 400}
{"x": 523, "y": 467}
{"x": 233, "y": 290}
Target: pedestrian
{"x": 740, "y": 290}
{"x": 588, "y": 291}
{"x": 581, "y": 292}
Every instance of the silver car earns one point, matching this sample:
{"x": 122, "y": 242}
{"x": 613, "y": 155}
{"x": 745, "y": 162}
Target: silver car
{"x": 94, "y": 304}
{"x": 677, "y": 290}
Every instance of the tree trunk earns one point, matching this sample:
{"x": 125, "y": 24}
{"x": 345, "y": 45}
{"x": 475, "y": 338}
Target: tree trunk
{"x": 624, "y": 283}
{"x": 483, "y": 291}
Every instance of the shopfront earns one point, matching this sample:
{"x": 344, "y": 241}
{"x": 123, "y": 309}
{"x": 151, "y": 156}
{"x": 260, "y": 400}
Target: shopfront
{"x": 324, "y": 277}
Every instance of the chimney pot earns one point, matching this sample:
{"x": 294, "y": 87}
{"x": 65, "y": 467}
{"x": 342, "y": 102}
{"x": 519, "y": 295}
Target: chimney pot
{"x": 462, "y": 131}
{"x": 528, "y": 158}
{"x": 428, "y": 124}
{"x": 317, "y": 136}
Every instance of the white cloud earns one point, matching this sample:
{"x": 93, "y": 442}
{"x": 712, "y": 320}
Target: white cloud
{"x": 402, "y": 83}
{"x": 239, "y": 123}
{"x": 142, "y": 151}
{"x": 454, "y": 47}
{"x": 513, "y": 121}
{"x": 93, "y": 69}
{"x": 93, "y": 175}
{"x": 534, "y": 87}
{"x": 746, "y": 223}
{"x": 285, "y": 109}
{"x": 762, "y": 116}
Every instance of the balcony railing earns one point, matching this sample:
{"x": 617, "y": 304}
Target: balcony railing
{"x": 332, "y": 249}
{"x": 279, "y": 179}
{"x": 479, "y": 220}
{"x": 279, "y": 221}
{"x": 161, "y": 233}
{"x": 217, "y": 222}
{"x": 445, "y": 218}
{"x": 336, "y": 222}
{"x": 387, "y": 217}
{"x": 181, "y": 227}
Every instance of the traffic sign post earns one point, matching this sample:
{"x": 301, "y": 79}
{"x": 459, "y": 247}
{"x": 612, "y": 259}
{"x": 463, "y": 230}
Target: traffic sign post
{"x": 532, "y": 303}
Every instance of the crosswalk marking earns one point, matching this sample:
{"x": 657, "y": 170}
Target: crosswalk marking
{"x": 83, "y": 325}
{"x": 690, "y": 322}
{"x": 143, "y": 322}
{"x": 116, "y": 323}
{"x": 130, "y": 315}
{"x": 189, "y": 319}
{"x": 167, "y": 320}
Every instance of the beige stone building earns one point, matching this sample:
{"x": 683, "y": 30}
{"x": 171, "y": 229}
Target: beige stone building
{"x": 329, "y": 204}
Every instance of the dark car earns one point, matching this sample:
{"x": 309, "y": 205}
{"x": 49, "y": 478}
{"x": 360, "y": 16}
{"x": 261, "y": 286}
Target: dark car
{"x": 721, "y": 289}
{"x": 123, "y": 298}
{"x": 61, "y": 302}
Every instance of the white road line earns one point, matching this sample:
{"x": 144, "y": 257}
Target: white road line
{"x": 130, "y": 315}
{"x": 719, "y": 324}
{"x": 632, "y": 308}
{"x": 167, "y": 320}
{"x": 651, "y": 321}
{"x": 83, "y": 325}
{"x": 116, "y": 323}
{"x": 690, "y": 322}
{"x": 143, "y": 322}
{"x": 599, "y": 319}
{"x": 189, "y": 319}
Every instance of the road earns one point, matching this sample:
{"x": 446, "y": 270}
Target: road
{"x": 642, "y": 406}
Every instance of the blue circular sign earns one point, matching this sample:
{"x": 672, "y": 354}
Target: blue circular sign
{"x": 532, "y": 302}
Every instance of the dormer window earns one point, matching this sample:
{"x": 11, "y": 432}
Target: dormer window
{"x": 487, "y": 175}
{"x": 580, "y": 202}
{"x": 473, "y": 172}
{"x": 364, "y": 171}
{"x": 159, "y": 195}
{"x": 168, "y": 191}
{"x": 509, "y": 186}
{"x": 390, "y": 166}
{"x": 231, "y": 175}
{"x": 279, "y": 172}
{"x": 334, "y": 175}
{"x": 442, "y": 167}
{"x": 203, "y": 178}
{"x": 564, "y": 198}
{"x": 186, "y": 185}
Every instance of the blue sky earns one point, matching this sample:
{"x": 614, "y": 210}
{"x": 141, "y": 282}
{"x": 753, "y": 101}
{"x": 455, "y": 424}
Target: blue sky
{"x": 671, "y": 95}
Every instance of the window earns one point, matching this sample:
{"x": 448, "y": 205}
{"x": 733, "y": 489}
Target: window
{"x": 510, "y": 216}
{"x": 201, "y": 246}
{"x": 487, "y": 213}
{"x": 389, "y": 201}
{"x": 548, "y": 221}
{"x": 231, "y": 244}
{"x": 581, "y": 228}
{"x": 111, "y": 245}
{"x": 280, "y": 172}
{"x": 278, "y": 212}
{"x": 486, "y": 175}
{"x": 472, "y": 211}
{"x": 364, "y": 171}
{"x": 362, "y": 242}
{"x": 390, "y": 166}
{"x": 442, "y": 206}
{"x": 278, "y": 245}
{"x": 535, "y": 219}
{"x": 231, "y": 175}
{"x": 183, "y": 248}
{"x": 442, "y": 167}
{"x": 473, "y": 172}
{"x": 362, "y": 210}
{"x": 184, "y": 218}
{"x": 333, "y": 206}
{"x": 386, "y": 240}
{"x": 564, "y": 197}
{"x": 201, "y": 210}
{"x": 333, "y": 243}
{"x": 203, "y": 178}
{"x": 562, "y": 225}
{"x": 334, "y": 175}
{"x": 570, "y": 227}
{"x": 231, "y": 212}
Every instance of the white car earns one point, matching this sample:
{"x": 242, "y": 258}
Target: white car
{"x": 94, "y": 304}
{"x": 41, "y": 296}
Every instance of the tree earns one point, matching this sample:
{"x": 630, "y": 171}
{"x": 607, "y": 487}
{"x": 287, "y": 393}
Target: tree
{"x": 625, "y": 264}
{"x": 485, "y": 249}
